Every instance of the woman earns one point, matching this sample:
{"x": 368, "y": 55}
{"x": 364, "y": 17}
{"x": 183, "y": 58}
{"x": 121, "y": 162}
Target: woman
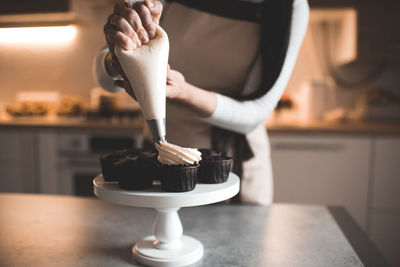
{"x": 230, "y": 62}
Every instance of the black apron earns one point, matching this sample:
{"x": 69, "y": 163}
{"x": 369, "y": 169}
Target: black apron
{"x": 233, "y": 9}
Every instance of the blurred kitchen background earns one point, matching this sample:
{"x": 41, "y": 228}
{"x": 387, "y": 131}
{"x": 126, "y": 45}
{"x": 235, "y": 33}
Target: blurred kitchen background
{"x": 335, "y": 135}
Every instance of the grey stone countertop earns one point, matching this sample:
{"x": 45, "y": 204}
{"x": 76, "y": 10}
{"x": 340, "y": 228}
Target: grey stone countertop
{"x": 44, "y": 230}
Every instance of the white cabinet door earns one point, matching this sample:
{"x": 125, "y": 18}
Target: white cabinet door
{"x": 11, "y": 177}
{"x": 10, "y": 145}
{"x": 17, "y": 161}
{"x": 385, "y": 234}
{"x": 322, "y": 169}
{"x": 49, "y": 177}
{"x": 385, "y": 205}
{"x": 386, "y": 181}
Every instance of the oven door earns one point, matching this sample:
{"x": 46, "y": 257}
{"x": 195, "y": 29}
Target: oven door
{"x": 78, "y": 158}
{"x": 77, "y": 175}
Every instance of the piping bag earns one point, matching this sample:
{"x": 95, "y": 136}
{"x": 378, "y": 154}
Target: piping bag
{"x": 146, "y": 70}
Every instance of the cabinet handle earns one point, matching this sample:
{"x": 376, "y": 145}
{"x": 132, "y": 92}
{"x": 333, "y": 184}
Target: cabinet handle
{"x": 308, "y": 146}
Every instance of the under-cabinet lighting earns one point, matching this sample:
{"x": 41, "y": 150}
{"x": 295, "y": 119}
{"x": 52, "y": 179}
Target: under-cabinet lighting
{"x": 38, "y": 35}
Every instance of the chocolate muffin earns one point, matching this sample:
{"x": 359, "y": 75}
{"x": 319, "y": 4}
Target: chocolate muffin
{"x": 108, "y": 161}
{"x": 138, "y": 172}
{"x": 207, "y": 153}
{"x": 178, "y": 178}
{"x": 214, "y": 167}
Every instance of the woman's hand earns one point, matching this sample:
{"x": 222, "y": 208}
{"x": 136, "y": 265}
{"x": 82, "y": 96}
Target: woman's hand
{"x": 130, "y": 28}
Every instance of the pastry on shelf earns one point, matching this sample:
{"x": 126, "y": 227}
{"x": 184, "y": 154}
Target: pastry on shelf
{"x": 28, "y": 108}
{"x": 71, "y": 106}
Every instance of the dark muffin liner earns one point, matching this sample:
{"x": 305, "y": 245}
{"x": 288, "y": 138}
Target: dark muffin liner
{"x": 178, "y": 178}
{"x": 214, "y": 171}
{"x": 136, "y": 174}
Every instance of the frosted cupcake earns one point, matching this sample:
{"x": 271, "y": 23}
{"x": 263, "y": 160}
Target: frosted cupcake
{"x": 178, "y": 167}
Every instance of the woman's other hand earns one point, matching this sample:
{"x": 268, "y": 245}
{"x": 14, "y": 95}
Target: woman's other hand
{"x": 201, "y": 101}
{"x": 176, "y": 85}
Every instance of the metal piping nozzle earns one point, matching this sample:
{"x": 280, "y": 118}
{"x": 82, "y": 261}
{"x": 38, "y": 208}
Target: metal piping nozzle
{"x": 157, "y": 129}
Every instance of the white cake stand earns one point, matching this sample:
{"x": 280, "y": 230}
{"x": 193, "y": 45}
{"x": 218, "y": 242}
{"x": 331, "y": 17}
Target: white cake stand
{"x": 167, "y": 246}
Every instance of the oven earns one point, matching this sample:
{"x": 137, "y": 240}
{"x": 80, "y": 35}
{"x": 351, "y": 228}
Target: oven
{"x": 78, "y": 158}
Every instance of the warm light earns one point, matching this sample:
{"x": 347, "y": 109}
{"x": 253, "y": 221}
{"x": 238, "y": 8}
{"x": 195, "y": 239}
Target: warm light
{"x": 38, "y": 35}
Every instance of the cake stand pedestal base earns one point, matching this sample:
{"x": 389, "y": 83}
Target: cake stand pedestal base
{"x": 188, "y": 251}
{"x": 167, "y": 246}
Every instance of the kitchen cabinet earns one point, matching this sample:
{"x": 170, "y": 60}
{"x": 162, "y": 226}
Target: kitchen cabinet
{"x": 59, "y": 156}
{"x": 385, "y": 233}
{"x": 384, "y": 214}
{"x": 22, "y": 13}
{"x": 23, "y": 7}
{"x": 17, "y": 162}
{"x": 48, "y": 170}
{"x": 325, "y": 169}
{"x": 359, "y": 172}
{"x": 386, "y": 181}
{"x": 11, "y": 177}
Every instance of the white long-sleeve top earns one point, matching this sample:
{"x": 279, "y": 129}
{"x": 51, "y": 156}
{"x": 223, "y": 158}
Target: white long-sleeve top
{"x": 243, "y": 116}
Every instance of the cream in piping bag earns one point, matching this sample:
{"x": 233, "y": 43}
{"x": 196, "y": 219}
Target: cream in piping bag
{"x": 146, "y": 70}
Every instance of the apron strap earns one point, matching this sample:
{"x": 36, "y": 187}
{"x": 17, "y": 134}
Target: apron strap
{"x": 233, "y": 9}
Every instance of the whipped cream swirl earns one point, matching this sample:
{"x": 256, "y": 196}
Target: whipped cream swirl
{"x": 171, "y": 154}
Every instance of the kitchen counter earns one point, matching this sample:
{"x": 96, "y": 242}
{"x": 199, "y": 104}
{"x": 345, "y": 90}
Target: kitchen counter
{"x": 349, "y": 127}
{"x": 44, "y": 230}
{"x": 71, "y": 123}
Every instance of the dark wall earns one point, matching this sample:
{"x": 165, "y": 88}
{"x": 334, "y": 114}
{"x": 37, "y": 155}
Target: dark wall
{"x": 378, "y": 43}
